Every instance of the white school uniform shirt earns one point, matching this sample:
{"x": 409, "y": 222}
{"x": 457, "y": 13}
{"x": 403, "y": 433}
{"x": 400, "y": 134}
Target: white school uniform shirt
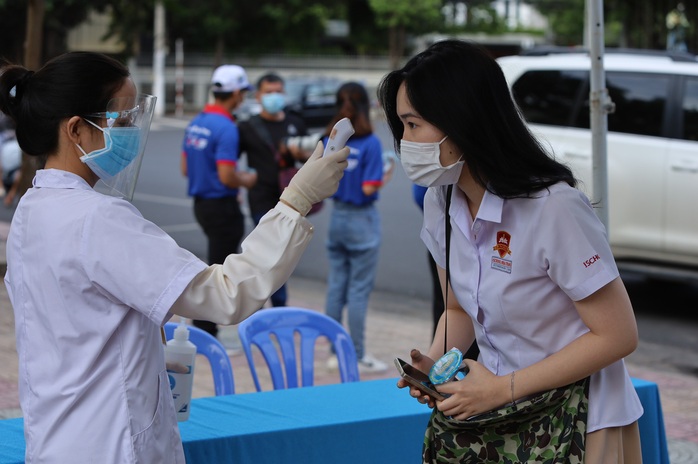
{"x": 517, "y": 270}
{"x": 91, "y": 282}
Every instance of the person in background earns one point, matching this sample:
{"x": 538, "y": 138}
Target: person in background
{"x": 677, "y": 25}
{"x": 354, "y": 238}
{"x": 532, "y": 276}
{"x": 263, "y": 139}
{"x": 210, "y": 153}
{"x": 92, "y": 282}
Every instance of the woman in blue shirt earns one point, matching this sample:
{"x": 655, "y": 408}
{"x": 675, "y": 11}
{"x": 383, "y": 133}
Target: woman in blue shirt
{"x": 355, "y": 234}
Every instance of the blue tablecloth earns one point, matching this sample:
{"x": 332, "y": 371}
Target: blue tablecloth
{"x": 343, "y": 423}
{"x": 652, "y": 433}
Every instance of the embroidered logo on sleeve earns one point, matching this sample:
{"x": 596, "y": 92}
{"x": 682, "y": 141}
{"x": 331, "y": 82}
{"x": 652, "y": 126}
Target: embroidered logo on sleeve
{"x": 591, "y": 260}
{"x": 502, "y": 248}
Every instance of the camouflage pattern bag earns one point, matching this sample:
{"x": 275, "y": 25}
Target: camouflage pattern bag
{"x": 548, "y": 428}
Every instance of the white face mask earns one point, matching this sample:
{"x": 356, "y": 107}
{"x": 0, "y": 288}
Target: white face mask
{"x": 423, "y": 167}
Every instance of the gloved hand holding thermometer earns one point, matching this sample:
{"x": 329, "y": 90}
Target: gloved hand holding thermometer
{"x": 320, "y": 175}
{"x": 341, "y": 132}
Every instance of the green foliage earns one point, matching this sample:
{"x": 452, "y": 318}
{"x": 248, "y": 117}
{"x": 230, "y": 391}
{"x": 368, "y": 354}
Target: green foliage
{"x": 415, "y": 16}
{"x": 250, "y": 26}
{"x": 482, "y": 17}
{"x": 60, "y": 17}
{"x": 367, "y": 37}
{"x": 566, "y": 19}
{"x": 298, "y": 26}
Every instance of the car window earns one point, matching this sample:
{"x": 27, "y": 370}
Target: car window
{"x": 321, "y": 94}
{"x": 549, "y": 97}
{"x": 690, "y": 110}
{"x": 640, "y": 101}
{"x": 293, "y": 90}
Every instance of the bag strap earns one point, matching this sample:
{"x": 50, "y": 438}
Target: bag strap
{"x": 258, "y": 125}
{"x": 449, "y": 192}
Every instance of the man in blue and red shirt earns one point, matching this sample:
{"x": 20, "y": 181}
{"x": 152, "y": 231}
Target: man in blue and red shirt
{"x": 209, "y": 159}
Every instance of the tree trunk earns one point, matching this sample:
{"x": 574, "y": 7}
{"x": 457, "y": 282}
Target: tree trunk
{"x": 35, "y": 27}
{"x": 394, "y": 51}
{"x": 32, "y": 60}
{"x": 401, "y": 41}
{"x": 220, "y": 49}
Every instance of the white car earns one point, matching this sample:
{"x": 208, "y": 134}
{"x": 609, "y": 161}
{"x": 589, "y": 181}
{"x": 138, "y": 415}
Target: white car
{"x": 652, "y": 144}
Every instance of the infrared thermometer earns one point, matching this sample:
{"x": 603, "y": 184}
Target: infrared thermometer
{"x": 339, "y": 136}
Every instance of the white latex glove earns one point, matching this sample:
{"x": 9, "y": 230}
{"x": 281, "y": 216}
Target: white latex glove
{"x": 316, "y": 180}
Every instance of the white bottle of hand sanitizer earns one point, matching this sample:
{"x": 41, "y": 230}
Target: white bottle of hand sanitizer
{"x": 180, "y": 355}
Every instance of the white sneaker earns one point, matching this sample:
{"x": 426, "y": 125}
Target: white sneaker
{"x": 369, "y": 364}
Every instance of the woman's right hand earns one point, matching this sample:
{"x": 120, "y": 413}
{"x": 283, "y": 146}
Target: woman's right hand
{"x": 423, "y": 363}
{"x": 316, "y": 180}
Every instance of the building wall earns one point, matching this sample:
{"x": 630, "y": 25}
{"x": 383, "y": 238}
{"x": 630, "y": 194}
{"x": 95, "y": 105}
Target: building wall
{"x": 88, "y": 35}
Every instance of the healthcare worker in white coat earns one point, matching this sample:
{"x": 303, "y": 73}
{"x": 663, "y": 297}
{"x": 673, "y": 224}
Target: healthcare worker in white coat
{"x": 91, "y": 281}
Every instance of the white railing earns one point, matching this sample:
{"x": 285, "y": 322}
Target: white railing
{"x": 196, "y": 74}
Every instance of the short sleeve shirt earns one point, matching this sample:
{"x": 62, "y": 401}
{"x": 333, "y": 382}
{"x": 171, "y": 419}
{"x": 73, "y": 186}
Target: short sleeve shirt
{"x": 517, "y": 270}
{"x": 210, "y": 139}
{"x": 91, "y": 282}
{"x": 365, "y": 166}
{"x": 265, "y": 158}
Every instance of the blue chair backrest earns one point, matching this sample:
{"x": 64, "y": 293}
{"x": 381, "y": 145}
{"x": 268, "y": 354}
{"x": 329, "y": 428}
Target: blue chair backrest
{"x": 269, "y": 328}
{"x": 214, "y": 351}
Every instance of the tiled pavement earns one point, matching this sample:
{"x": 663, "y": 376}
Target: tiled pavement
{"x": 394, "y": 325}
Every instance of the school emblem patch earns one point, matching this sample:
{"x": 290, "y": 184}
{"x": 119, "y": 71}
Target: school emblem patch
{"x": 502, "y": 246}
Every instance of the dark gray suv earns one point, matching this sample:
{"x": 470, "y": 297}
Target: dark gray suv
{"x": 312, "y": 98}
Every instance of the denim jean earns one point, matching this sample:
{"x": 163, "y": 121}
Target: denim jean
{"x": 353, "y": 245}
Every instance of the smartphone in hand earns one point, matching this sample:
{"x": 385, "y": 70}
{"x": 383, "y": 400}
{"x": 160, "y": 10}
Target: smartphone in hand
{"x": 417, "y": 379}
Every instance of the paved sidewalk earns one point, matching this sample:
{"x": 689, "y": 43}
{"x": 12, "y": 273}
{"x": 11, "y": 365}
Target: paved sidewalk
{"x": 395, "y": 324}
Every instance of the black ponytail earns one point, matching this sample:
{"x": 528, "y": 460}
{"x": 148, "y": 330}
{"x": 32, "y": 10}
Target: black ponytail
{"x": 72, "y": 84}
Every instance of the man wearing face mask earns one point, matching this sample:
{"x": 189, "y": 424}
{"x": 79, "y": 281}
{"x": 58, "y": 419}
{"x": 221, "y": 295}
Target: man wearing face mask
{"x": 209, "y": 161}
{"x": 263, "y": 138}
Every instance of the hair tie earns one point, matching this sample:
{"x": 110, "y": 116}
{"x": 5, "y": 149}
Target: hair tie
{"x": 19, "y": 86}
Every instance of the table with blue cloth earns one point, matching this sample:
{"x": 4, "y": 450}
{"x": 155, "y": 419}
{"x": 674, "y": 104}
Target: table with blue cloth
{"x": 368, "y": 422}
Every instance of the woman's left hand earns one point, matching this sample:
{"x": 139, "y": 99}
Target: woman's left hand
{"x": 480, "y": 391}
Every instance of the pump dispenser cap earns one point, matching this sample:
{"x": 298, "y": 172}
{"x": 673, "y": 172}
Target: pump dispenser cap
{"x": 181, "y": 333}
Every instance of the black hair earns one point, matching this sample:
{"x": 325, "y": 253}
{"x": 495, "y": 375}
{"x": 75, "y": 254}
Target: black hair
{"x": 351, "y": 101}
{"x": 269, "y": 77}
{"x": 72, "y": 84}
{"x": 218, "y": 95}
{"x": 459, "y": 88}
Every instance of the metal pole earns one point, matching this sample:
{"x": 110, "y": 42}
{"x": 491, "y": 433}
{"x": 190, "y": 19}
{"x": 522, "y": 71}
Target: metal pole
{"x": 179, "y": 76}
{"x": 159, "y": 58}
{"x": 600, "y": 105}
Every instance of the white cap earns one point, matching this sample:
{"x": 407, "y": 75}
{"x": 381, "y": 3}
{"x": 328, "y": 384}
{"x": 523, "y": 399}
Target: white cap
{"x": 229, "y": 78}
{"x": 181, "y": 333}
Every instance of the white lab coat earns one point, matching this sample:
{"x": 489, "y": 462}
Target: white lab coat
{"x": 91, "y": 282}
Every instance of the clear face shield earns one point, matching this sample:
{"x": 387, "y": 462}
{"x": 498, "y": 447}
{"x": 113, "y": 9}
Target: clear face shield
{"x": 125, "y": 133}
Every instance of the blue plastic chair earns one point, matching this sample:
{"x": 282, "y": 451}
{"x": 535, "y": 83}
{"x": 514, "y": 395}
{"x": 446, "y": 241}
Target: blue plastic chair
{"x": 269, "y": 328}
{"x": 214, "y": 351}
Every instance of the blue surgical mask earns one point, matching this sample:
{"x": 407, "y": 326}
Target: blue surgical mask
{"x": 273, "y": 102}
{"x": 121, "y": 147}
